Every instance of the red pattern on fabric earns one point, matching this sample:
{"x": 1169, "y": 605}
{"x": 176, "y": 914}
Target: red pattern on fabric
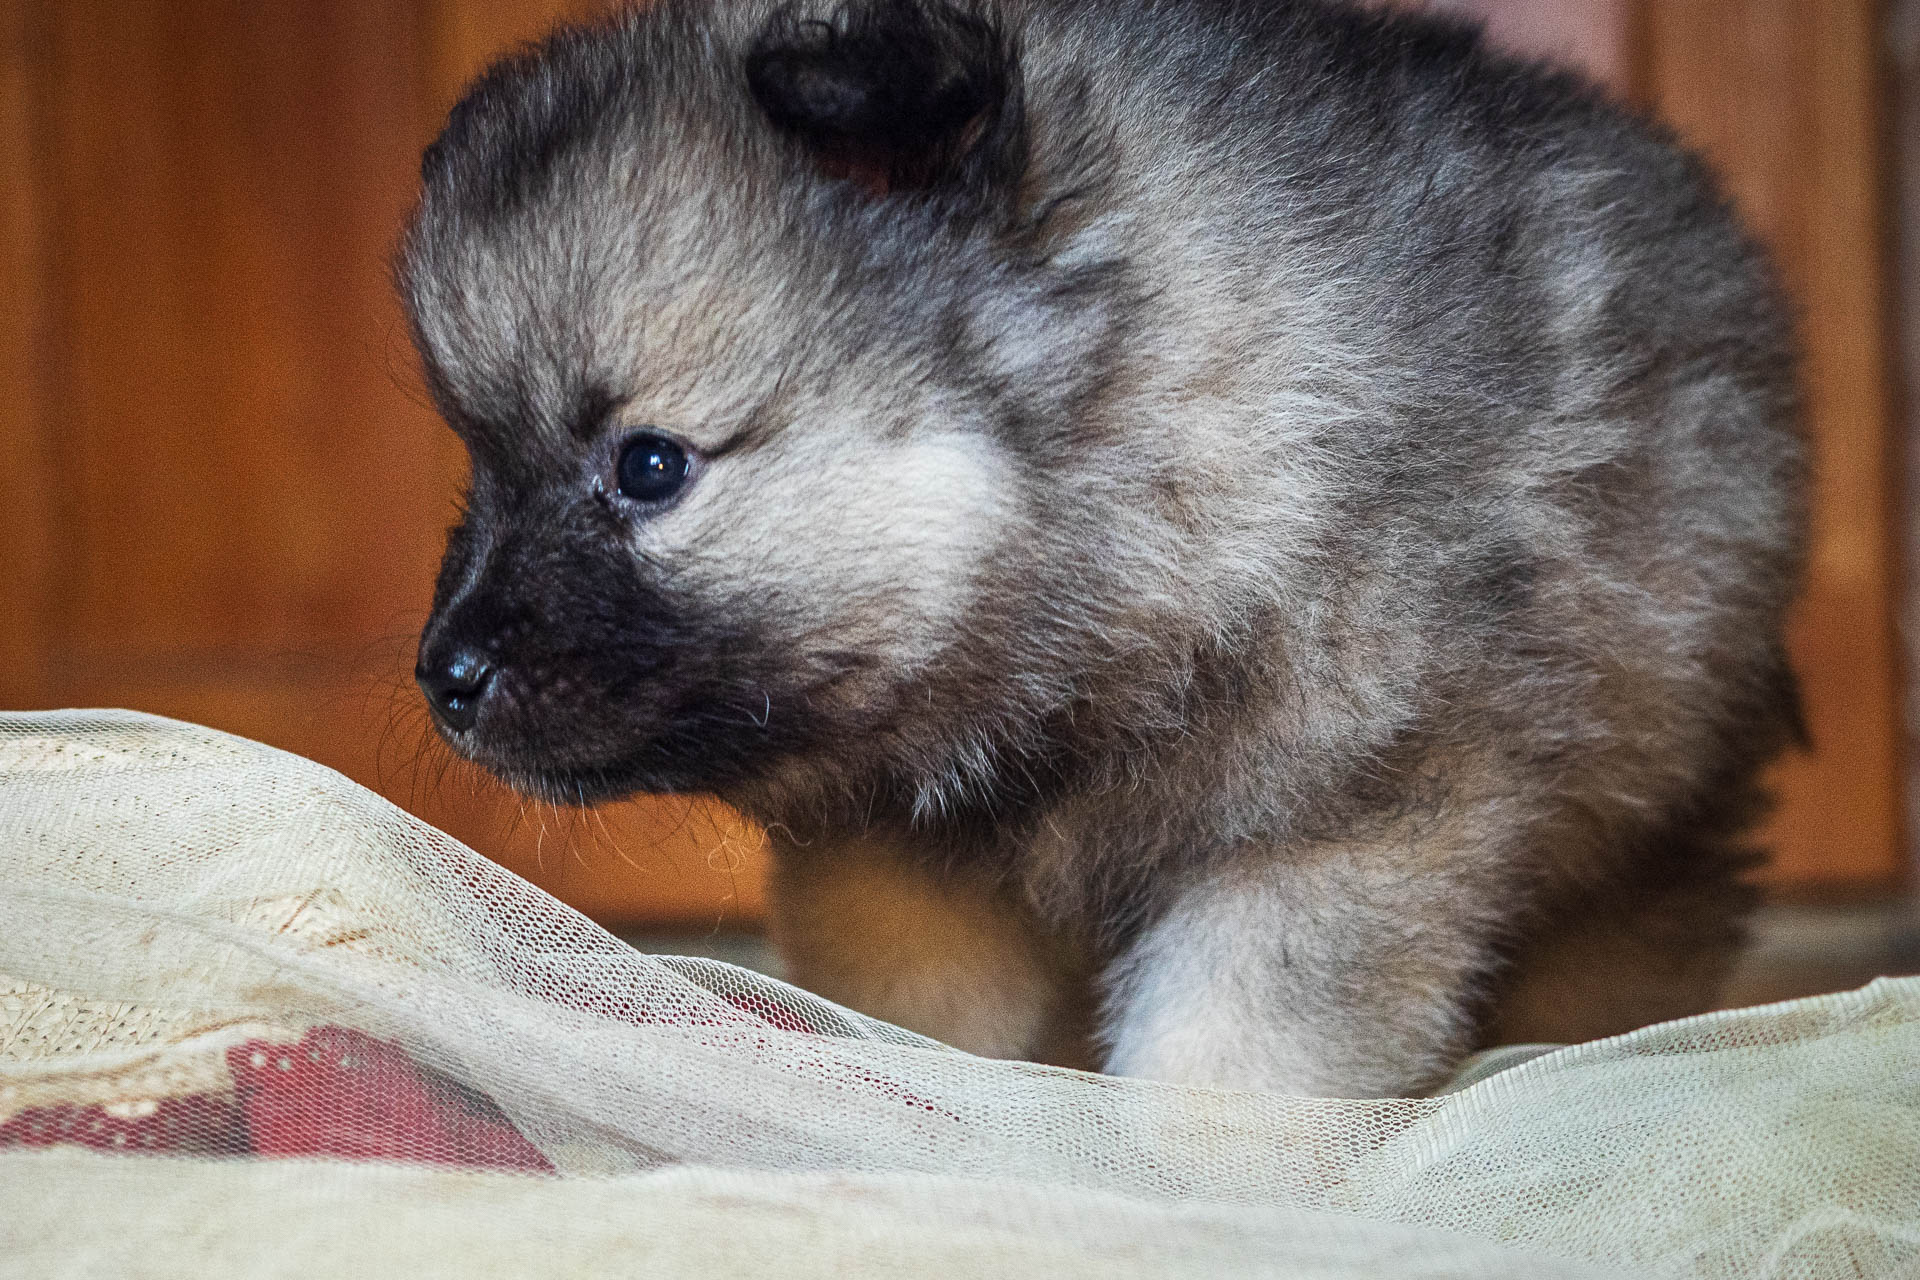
{"x": 340, "y": 1093}
{"x": 201, "y": 1124}
{"x": 335, "y": 1093}
{"x": 771, "y": 1012}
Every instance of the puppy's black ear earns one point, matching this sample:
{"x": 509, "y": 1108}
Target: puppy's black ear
{"x": 897, "y": 95}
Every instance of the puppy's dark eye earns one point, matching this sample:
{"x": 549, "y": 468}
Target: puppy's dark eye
{"x": 651, "y": 467}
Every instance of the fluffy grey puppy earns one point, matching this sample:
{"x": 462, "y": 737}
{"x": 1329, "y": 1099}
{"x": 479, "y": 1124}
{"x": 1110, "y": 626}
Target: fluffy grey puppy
{"x": 1242, "y": 543}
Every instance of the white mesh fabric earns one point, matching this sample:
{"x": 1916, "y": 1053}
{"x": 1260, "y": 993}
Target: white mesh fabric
{"x": 202, "y": 938}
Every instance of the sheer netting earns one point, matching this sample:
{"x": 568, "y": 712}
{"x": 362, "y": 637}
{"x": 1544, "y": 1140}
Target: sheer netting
{"x": 256, "y": 1020}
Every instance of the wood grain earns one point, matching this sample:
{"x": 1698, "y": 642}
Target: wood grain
{"x": 27, "y": 482}
{"x": 247, "y": 468}
{"x": 248, "y": 489}
{"x": 225, "y": 499}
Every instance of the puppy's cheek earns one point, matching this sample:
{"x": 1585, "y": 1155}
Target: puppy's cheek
{"x": 854, "y": 547}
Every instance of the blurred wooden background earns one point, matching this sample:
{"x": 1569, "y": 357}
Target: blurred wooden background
{"x": 224, "y": 497}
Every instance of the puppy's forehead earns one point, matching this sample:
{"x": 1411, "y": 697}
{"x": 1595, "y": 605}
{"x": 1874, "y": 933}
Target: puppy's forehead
{"x": 688, "y": 303}
{"x": 611, "y": 235}
{"x": 547, "y": 201}
{"x": 529, "y": 343}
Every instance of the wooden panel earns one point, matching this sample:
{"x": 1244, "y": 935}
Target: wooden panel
{"x": 26, "y": 463}
{"x": 1903, "y": 39}
{"x": 1785, "y": 98}
{"x": 251, "y": 491}
{"x": 246, "y": 467}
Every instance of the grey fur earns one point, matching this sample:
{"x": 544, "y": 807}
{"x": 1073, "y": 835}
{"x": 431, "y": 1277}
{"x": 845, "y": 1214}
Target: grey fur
{"x": 1294, "y": 507}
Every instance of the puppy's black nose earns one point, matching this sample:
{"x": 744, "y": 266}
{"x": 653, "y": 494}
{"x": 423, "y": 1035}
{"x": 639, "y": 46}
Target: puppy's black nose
{"x": 454, "y": 684}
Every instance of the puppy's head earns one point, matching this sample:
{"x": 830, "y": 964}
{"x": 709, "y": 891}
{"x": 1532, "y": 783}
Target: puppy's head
{"x": 761, "y": 331}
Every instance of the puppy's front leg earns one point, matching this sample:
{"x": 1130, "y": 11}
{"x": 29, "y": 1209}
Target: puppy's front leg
{"x": 1344, "y": 971}
{"x": 866, "y": 923}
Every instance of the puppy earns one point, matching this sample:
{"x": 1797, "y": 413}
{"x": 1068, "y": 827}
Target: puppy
{"x": 1236, "y": 542}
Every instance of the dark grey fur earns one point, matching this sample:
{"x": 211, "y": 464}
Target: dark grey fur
{"x": 1291, "y": 507}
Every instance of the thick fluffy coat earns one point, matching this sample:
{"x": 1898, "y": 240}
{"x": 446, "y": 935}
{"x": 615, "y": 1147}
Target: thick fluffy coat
{"x": 1244, "y": 542}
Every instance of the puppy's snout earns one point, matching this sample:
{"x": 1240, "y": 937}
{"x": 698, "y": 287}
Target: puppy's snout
{"x": 456, "y": 683}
